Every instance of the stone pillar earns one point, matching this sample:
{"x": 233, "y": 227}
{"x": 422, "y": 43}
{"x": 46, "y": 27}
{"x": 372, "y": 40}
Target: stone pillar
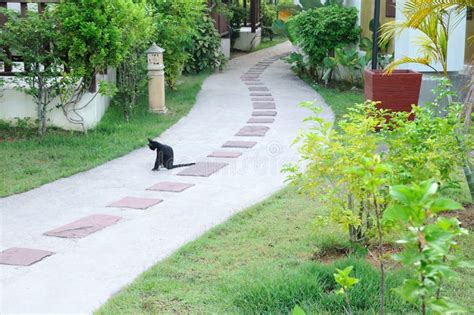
{"x": 156, "y": 82}
{"x": 156, "y": 89}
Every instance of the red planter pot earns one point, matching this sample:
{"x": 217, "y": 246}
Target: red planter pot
{"x": 396, "y": 92}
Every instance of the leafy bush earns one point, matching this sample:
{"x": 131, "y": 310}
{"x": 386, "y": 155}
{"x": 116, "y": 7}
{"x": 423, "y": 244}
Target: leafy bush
{"x": 429, "y": 244}
{"x": 317, "y": 32}
{"x": 33, "y": 38}
{"x": 310, "y": 4}
{"x": 428, "y": 147}
{"x": 205, "y": 52}
{"x": 238, "y": 18}
{"x": 349, "y": 60}
{"x": 346, "y": 168}
{"x": 353, "y": 167}
{"x": 175, "y": 27}
{"x": 131, "y": 72}
{"x": 97, "y": 34}
{"x": 269, "y": 15}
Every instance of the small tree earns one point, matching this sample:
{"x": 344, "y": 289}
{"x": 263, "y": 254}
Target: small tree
{"x": 131, "y": 71}
{"x": 429, "y": 243}
{"x": 96, "y": 34}
{"x": 35, "y": 39}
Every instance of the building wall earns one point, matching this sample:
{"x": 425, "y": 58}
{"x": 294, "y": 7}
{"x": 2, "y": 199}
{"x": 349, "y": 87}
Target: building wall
{"x": 17, "y": 105}
{"x": 367, "y": 14}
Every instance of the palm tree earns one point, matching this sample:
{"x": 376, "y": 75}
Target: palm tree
{"x": 435, "y": 19}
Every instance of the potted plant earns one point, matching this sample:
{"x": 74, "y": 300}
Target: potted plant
{"x": 397, "y": 90}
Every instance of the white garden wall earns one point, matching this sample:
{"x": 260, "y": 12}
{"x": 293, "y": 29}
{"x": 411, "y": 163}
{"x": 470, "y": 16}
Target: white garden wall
{"x": 17, "y": 105}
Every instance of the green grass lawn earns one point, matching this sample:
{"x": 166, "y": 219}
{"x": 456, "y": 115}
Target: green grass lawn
{"x": 30, "y": 161}
{"x": 339, "y": 101}
{"x": 267, "y": 43}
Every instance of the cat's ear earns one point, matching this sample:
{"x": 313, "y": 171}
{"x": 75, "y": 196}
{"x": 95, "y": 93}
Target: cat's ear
{"x": 149, "y": 140}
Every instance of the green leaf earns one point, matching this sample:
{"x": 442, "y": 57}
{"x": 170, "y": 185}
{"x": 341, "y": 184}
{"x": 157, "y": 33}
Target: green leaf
{"x": 298, "y": 311}
{"x": 402, "y": 193}
{"x": 397, "y": 213}
{"x": 444, "y": 204}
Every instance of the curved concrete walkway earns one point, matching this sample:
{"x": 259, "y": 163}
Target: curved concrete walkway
{"x": 84, "y": 272}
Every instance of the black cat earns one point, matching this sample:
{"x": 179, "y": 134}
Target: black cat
{"x": 164, "y": 156}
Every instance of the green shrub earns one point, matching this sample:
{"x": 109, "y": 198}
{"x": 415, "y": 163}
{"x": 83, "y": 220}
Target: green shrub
{"x": 238, "y": 18}
{"x": 269, "y": 15}
{"x": 317, "y": 32}
{"x": 353, "y": 166}
{"x": 430, "y": 245}
{"x": 175, "y": 27}
{"x": 33, "y": 38}
{"x": 132, "y": 71}
{"x": 98, "y": 33}
{"x": 205, "y": 52}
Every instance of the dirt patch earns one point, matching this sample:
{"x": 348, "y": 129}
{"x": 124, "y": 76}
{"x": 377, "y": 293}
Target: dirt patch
{"x": 466, "y": 216}
{"x": 329, "y": 255}
{"x": 7, "y": 139}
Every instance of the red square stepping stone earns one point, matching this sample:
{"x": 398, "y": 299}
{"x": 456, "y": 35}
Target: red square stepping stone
{"x": 250, "y": 75}
{"x": 18, "y": 256}
{"x": 135, "y": 203}
{"x": 85, "y": 226}
{"x": 261, "y": 94}
{"x": 225, "y": 154}
{"x": 202, "y": 169}
{"x": 170, "y": 186}
{"x": 258, "y": 88}
{"x": 263, "y": 105}
{"x": 258, "y": 120}
{"x": 252, "y": 131}
{"x": 249, "y": 79}
{"x": 239, "y": 144}
{"x": 264, "y": 113}
{"x": 262, "y": 99}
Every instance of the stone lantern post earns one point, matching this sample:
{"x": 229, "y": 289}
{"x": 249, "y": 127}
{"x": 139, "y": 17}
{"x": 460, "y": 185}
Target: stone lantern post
{"x": 156, "y": 82}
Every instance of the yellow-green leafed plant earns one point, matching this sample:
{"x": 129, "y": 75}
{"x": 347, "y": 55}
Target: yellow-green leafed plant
{"x": 435, "y": 19}
{"x": 346, "y": 283}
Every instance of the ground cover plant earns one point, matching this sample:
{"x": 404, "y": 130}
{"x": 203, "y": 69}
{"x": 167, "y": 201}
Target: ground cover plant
{"x": 33, "y": 161}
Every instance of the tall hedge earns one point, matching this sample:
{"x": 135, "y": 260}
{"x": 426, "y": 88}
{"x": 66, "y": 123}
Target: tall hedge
{"x": 319, "y": 31}
{"x": 175, "y": 27}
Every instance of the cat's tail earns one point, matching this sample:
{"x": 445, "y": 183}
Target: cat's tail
{"x": 182, "y": 165}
